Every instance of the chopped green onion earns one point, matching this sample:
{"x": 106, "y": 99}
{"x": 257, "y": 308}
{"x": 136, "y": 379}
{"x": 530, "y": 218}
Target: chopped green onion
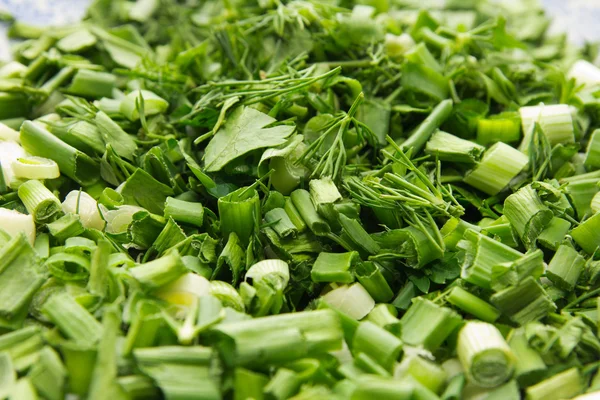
{"x": 384, "y": 315}
{"x": 48, "y": 375}
{"x": 77, "y": 41}
{"x": 227, "y": 295}
{"x": 84, "y": 205}
{"x": 504, "y": 127}
{"x": 184, "y": 211}
{"x": 73, "y": 163}
{"x": 185, "y": 290}
{"x": 370, "y": 275}
{"x": 40, "y": 202}
{"x": 580, "y": 193}
{"x": 376, "y": 342}
{"x": 472, "y": 304}
{"x": 529, "y": 365}
{"x": 13, "y": 223}
{"x": 152, "y": 104}
{"x": 334, "y": 267}
{"x": 584, "y": 73}
{"x": 447, "y": 147}
{"x": 423, "y": 132}
{"x": 352, "y": 300}
{"x": 122, "y": 143}
{"x": 555, "y": 121}
{"x": 429, "y": 374}
{"x": 302, "y": 202}
{"x": 422, "y": 79}
{"x": 294, "y": 215}
{"x": 74, "y": 321}
{"x": 566, "y": 384}
{"x": 484, "y": 354}
{"x": 35, "y": 168}
{"x": 499, "y": 165}
{"x": 428, "y": 324}
{"x": 525, "y": 302}
{"x": 240, "y": 213}
{"x": 592, "y": 154}
{"x": 481, "y": 255}
{"x": 65, "y": 227}
{"x": 587, "y": 234}
{"x": 527, "y": 214}
{"x": 281, "y": 223}
{"x": 554, "y": 233}
{"x": 94, "y": 84}
{"x": 565, "y": 267}
{"x": 157, "y": 273}
{"x": 512, "y": 273}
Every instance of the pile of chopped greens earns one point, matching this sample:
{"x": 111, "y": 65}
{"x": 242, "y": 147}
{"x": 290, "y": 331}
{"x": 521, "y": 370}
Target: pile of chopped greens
{"x": 306, "y": 199}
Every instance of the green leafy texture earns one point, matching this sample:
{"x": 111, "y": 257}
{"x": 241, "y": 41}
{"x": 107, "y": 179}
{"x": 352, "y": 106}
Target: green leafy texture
{"x": 244, "y": 131}
{"x": 142, "y": 189}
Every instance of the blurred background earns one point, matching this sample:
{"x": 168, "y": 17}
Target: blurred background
{"x": 578, "y": 18}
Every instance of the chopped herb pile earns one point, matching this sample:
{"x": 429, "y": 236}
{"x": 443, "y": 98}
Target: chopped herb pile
{"x": 269, "y": 199}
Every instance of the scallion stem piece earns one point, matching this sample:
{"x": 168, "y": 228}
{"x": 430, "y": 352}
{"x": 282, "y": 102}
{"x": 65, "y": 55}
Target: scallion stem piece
{"x": 564, "y": 385}
{"x": 184, "y": 211}
{"x": 334, "y": 267}
{"x": 555, "y": 120}
{"x": 92, "y": 84}
{"x": 527, "y": 214}
{"x": 352, "y": 300}
{"x": 472, "y": 304}
{"x": 592, "y": 153}
{"x": 529, "y": 365}
{"x": 370, "y": 276}
{"x": 13, "y": 223}
{"x": 565, "y": 267}
{"x": 302, "y": 202}
{"x": 587, "y": 234}
{"x": 423, "y": 132}
{"x": 40, "y": 202}
{"x": 152, "y": 104}
{"x": 157, "y": 273}
{"x": 554, "y": 233}
{"x": 525, "y": 302}
{"x": 428, "y": 324}
{"x": 447, "y": 147}
{"x": 484, "y": 354}
{"x": 481, "y": 255}
{"x": 281, "y": 223}
{"x": 35, "y": 168}
{"x": 504, "y": 127}
{"x": 376, "y": 342}
{"x": 74, "y": 321}
{"x": 73, "y": 163}
{"x": 499, "y": 165}
{"x": 240, "y": 213}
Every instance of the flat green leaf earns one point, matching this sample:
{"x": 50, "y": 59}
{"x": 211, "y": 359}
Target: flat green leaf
{"x": 243, "y": 132}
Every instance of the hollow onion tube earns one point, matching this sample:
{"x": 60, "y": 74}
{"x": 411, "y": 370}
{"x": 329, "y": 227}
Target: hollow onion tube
{"x": 35, "y": 168}
{"x": 240, "y": 213}
{"x": 484, "y": 354}
{"x": 587, "y": 234}
{"x": 472, "y": 304}
{"x": 565, "y": 267}
{"x": 447, "y": 147}
{"x": 555, "y": 120}
{"x": 84, "y": 205}
{"x": 334, "y": 267}
{"x": 423, "y": 132}
{"x": 427, "y": 324}
{"x": 527, "y": 214}
{"x": 40, "y": 202}
{"x": 376, "y": 342}
{"x": 499, "y": 165}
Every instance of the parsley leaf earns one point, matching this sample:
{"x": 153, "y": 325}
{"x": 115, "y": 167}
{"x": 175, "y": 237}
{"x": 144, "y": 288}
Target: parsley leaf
{"x": 243, "y": 132}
